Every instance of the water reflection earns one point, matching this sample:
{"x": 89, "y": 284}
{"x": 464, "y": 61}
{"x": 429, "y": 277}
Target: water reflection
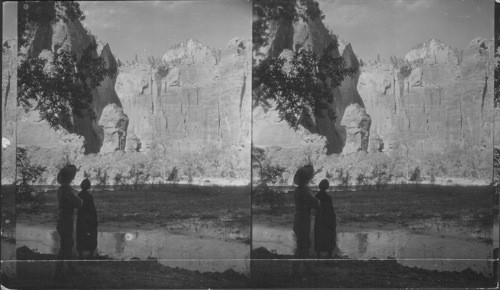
{"x": 119, "y": 243}
{"x": 410, "y": 248}
{"x": 171, "y": 249}
{"x": 362, "y": 242}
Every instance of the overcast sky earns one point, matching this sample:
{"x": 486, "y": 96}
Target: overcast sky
{"x": 385, "y": 27}
{"x": 393, "y": 27}
{"x": 152, "y": 27}
{"x": 9, "y": 19}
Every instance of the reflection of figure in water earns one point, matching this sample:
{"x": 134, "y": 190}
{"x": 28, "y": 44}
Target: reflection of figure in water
{"x": 304, "y": 203}
{"x": 67, "y": 201}
{"x": 325, "y": 224}
{"x": 363, "y": 242}
{"x": 120, "y": 240}
{"x": 86, "y": 223}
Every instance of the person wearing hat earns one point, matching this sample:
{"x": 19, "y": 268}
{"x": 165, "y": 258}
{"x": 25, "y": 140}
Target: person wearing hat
{"x": 67, "y": 201}
{"x": 325, "y": 223}
{"x": 304, "y": 203}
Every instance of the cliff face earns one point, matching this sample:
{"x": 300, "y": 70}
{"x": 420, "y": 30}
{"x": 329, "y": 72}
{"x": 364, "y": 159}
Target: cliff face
{"x": 199, "y": 97}
{"x": 445, "y": 98}
{"x": 9, "y": 90}
{"x": 268, "y": 130}
{"x": 69, "y": 36}
{"x": 9, "y": 95}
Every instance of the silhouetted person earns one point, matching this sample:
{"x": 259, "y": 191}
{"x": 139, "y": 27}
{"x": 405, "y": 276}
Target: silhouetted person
{"x": 325, "y": 223}
{"x": 86, "y": 223}
{"x": 67, "y": 201}
{"x": 304, "y": 203}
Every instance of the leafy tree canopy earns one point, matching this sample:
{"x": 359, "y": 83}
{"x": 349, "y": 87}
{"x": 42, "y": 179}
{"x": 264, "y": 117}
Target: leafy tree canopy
{"x": 304, "y": 81}
{"x": 59, "y": 87}
{"x": 289, "y": 10}
{"x": 39, "y": 13}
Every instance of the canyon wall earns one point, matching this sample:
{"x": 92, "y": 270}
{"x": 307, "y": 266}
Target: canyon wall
{"x": 284, "y": 36}
{"x": 196, "y": 98}
{"x": 86, "y": 133}
{"x": 9, "y": 108}
{"x": 444, "y": 98}
{"x": 434, "y": 97}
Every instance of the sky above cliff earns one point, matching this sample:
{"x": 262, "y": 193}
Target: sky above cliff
{"x": 393, "y": 27}
{"x": 152, "y": 27}
{"x": 9, "y": 19}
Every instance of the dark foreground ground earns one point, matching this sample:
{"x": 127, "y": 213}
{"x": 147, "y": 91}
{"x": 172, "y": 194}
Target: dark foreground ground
{"x": 35, "y": 270}
{"x": 208, "y": 211}
{"x": 273, "y": 270}
{"x": 462, "y": 212}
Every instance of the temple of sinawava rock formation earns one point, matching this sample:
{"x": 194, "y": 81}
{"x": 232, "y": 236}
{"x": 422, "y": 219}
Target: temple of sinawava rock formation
{"x": 203, "y": 98}
{"x": 447, "y": 98}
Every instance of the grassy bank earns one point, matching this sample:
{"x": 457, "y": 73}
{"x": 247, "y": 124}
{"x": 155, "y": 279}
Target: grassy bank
{"x": 220, "y": 210}
{"x": 401, "y": 205}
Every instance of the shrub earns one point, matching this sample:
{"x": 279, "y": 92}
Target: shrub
{"x": 360, "y": 178}
{"x": 101, "y": 176}
{"x": 263, "y": 194}
{"x": 344, "y": 177}
{"x": 174, "y": 175}
{"x": 118, "y": 179}
{"x": 27, "y": 174}
{"x": 272, "y": 174}
{"x": 381, "y": 176}
{"x": 416, "y": 175}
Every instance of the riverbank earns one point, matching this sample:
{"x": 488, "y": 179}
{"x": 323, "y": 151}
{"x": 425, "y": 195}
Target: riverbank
{"x": 35, "y": 270}
{"x": 209, "y": 211}
{"x": 404, "y": 205}
{"x": 274, "y": 270}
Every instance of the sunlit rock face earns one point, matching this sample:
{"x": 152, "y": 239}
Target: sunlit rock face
{"x": 198, "y": 97}
{"x": 9, "y": 89}
{"x": 44, "y": 42}
{"x": 9, "y": 109}
{"x": 268, "y": 129}
{"x": 357, "y": 127}
{"x": 115, "y": 124}
{"x": 446, "y": 98}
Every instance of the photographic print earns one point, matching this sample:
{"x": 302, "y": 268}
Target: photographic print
{"x": 372, "y": 144}
{"x": 126, "y": 136}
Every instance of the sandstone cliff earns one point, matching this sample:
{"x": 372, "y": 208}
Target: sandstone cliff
{"x": 198, "y": 97}
{"x": 285, "y": 36}
{"x": 9, "y": 95}
{"x": 444, "y": 97}
{"x": 44, "y": 42}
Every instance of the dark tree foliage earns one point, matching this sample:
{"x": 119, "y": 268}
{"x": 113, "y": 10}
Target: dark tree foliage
{"x": 305, "y": 82}
{"x": 40, "y": 13}
{"x": 288, "y": 10}
{"x": 26, "y": 175}
{"x": 405, "y": 71}
{"x": 59, "y": 88}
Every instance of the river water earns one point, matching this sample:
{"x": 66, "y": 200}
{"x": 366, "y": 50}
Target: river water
{"x": 171, "y": 249}
{"x": 432, "y": 251}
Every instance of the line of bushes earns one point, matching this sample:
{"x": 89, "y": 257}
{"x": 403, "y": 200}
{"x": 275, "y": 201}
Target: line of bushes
{"x": 154, "y": 166}
{"x": 380, "y": 168}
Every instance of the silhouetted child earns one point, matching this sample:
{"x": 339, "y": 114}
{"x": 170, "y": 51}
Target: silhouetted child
{"x": 86, "y": 223}
{"x": 325, "y": 224}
